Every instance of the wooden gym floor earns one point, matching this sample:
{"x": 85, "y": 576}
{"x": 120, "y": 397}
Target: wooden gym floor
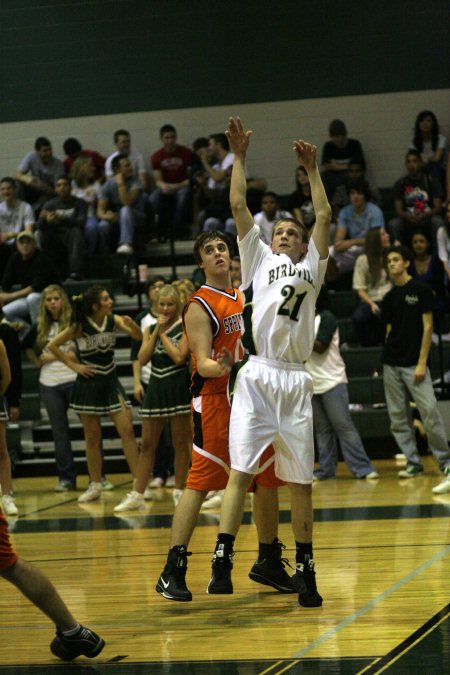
{"x": 382, "y": 552}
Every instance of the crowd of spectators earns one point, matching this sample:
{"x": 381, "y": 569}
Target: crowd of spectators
{"x": 88, "y": 204}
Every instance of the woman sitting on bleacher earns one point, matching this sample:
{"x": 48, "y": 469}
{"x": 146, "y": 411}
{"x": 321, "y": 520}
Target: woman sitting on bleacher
{"x": 371, "y": 282}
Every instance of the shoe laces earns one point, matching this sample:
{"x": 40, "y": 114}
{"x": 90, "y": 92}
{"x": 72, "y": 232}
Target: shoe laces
{"x": 279, "y": 548}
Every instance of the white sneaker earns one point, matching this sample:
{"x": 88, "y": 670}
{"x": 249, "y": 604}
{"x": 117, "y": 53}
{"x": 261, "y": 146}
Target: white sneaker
{"x": 148, "y": 494}
{"x": 157, "y": 482}
{"x": 9, "y": 505}
{"x": 444, "y": 485}
{"x": 176, "y": 495}
{"x": 214, "y": 501}
{"x": 107, "y": 485}
{"x": 93, "y": 492}
{"x": 170, "y": 482}
{"x": 125, "y": 249}
{"x": 133, "y": 501}
{"x": 373, "y": 475}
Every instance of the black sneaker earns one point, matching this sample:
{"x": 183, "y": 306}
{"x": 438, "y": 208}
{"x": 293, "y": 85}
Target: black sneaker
{"x": 304, "y": 582}
{"x": 270, "y": 571}
{"x": 220, "y": 582}
{"x": 172, "y": 582}
{"x": 84, "y": 643}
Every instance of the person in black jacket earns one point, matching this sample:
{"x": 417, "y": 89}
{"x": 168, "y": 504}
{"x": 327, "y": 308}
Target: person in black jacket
{"x": 27, "y": 273}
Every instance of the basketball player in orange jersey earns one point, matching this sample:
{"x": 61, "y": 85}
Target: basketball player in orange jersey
{"x": 213, "y": 324}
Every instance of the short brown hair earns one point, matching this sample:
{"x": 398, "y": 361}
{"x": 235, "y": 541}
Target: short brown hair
{"x": 205, "y": 237}
{"x": 303, "y": 229}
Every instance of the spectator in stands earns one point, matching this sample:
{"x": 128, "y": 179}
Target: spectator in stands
{"x": 122, "y": 141}
{"x": 15, "y": 216}
{"x": 429, "y": 268}
{"x": 354, "y": 222}
{"x": 56, "y": 380}
{"x": 86, "y": 187}
{"x": 38, "y": 172}
{"x": 371, "y": 282}
{"x": 270, "y": 213}
{"x": 121, "y": 209}
{"x": 7, "y": 498}
{"x": 300, "y": 202}
{"x": 417, "y": 202}
{"x": 30, "y": 271}
{"x": 430, "y": 144}
{"x": 171, "y": 199}
{"x": 443, "y": 242}
{"x": 198, "y": 179}
{"x": 337, "y": 155}
{"x": 72, "y": 148}
{"x": 217, "y": 160}
{"x": 408, "y": 313}
{"x": 341, "y": 196}
{"x": 61, "y": 230}
{"x": 330, "y": 403}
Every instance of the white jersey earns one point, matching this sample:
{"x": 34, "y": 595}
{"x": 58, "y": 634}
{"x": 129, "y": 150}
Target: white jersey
{"x": 280, "y": 300}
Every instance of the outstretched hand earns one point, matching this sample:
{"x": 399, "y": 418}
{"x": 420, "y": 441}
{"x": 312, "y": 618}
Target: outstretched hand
{"x": 238, "y": 138}
{"x": 306, "y": 154}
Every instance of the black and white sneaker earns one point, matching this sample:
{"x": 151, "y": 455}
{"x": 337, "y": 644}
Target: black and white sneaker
{"x": 304, "y": 582}
{"x": 172, "y": 582}
{"x": 220, "y": 582}
{"x": 270, "y": 571}
{"x": 84, "y": 643}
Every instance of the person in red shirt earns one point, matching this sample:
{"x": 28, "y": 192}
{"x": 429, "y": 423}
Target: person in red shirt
{"x": 73, "y": 150}
{"x": 171, "y": 199}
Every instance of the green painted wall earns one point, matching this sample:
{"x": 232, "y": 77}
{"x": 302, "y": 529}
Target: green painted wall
{"x": 62, "y": 58}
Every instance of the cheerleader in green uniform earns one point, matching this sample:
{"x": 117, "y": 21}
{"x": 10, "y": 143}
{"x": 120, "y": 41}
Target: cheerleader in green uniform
{"x": 8, "y": 503}
{"x": 97, "y": 389}
{"x": 167, "y": 396}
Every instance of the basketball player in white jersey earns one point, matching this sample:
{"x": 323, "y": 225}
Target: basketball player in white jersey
{"x": 272, "y": 391}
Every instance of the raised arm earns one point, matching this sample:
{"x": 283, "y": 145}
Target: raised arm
{"x": 306, "y": 155}
{"x": 128, "y": 326}
{"x": 239, "y": 141}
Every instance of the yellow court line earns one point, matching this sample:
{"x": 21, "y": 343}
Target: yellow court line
{"x": 294, "y": 663}
{"x": 274, "y": 665}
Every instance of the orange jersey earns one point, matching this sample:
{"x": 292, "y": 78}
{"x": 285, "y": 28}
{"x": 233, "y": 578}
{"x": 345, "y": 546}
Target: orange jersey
{"x": 224, "y": 308}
